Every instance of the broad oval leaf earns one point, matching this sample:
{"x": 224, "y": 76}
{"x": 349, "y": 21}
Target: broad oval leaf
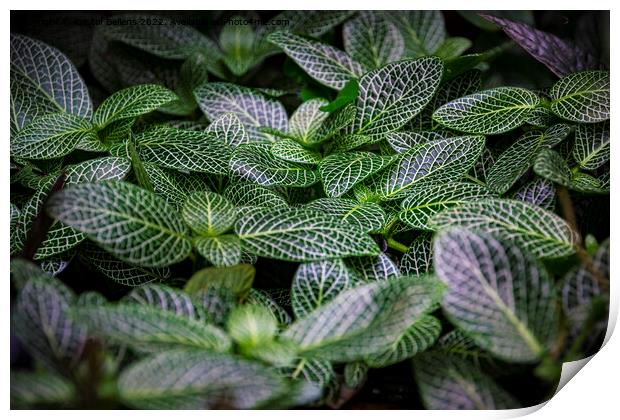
{"x": 132, "y": 102}
{"x": 582, "y": 97}
{"x": 291, "y": 151}
{"x": 301, "y": 235}
{"x": 256, "y": 162}
{"x": 592, "y": 147}
{"x": 367, "y": 217}
{"x": 164, "y": 297}
{"x": 539, "y": 192}
{"x": 324, "y": 63}
{"x": 184, "y": 150}
{"x": 133, "y": 224}
{"x": 150, "y": 329}
{"x": 449, "y": 382}
{"x": 29, "y": 389}
{"x": 52, "y": 135}
{"x": 442, "y": 160}
{"x": 491, "y": 111}
{"x": 536, "y": 230}
{"x": 403, "y": 141}
{"x": 372, "y": 40}
{"x": 306, "y": 122}
{"x": 221, "y": 251}
{"x": 423, "y": 30}
{"x": 229, "y": 129}
{"x": 370, "y": 269}
{"x": 43, "y": 80}
{"x": 499, "y": 295}
{"x": 197, "y": 379}
{"x": 251, "y": 196}
{"x": 428, "y": 199}
{"x": 208, "y": 213}
{"x": 342, "y": 171}
{"x": 253, "y": 109}
{"x": 395, "y": 93}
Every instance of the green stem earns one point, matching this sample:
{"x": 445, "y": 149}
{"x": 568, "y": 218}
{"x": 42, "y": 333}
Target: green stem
{"x": 394, "y": 244}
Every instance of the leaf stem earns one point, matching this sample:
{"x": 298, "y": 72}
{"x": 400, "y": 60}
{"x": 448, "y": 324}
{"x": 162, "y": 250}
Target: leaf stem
{"x": 398, "y": 246}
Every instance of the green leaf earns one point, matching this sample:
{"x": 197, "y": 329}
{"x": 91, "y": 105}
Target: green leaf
{"x": 406, "y": 140}
{"x": 592, "y": 148}
{"x": 417, "y": 338}
{"x": 120, "y": 271}
{"x": 318, "y": 283}
{"x": 395, "y": 93}
{"x": 536, "y": 230}
{"x": 29, "y": 389}
{"x": 448, "y": 382}
{"x": 372, "y": 40}
{"x": 252, "y": 196}
{"x": 291, "y": 151}
{"x": 428, "y": 199}
{"x": 42, "y": 325}
{"x": 253, "y": 109}
{"x": 259, "y": 297}
{"x": 237, "y": 44}
{"x": 133, "y": 224}
{"x": 256, "y": 162}
{"x": 238, "y": 279}
{"x": 251, "y": 325}
{"x": 539, "y": 192}
{"x": 453, "y": 47}
{"x": 370, "y": 269}
{"x": 229, "y": 129}
{"x": 52, "y": 135}
{"x": 132, "y": 102}
{"x": 514, "y": 162}
{"x": 92, "y": 170}
{"x": 208, "y": 213}
{"x": 342, "y": 171}
{"x": 345, "y": 96}
{"x": 423, "y": 30}
{"x": 301, "y": 235}
{"x": 491, "y": 111}
{"x": 360, "y": 321}
{"x": 221, "y": 251}
{"x": 305, "y": 123}
{"x": 355, "y": 374}
{"x": 367, "y": 217}
{"x": 150, "y": 329}
{"x": 442, "y": 160}
{"x": 164, "y": 297}
{"x": 324, "y": 63}
{"x": 184, "y": 150}
{"x": 197, "y": 380}
{"x": 550, "y": 165}
{"x": 497, "y": 294}
{"x": 582, "y": 97}
{"x": 43, "y": 80}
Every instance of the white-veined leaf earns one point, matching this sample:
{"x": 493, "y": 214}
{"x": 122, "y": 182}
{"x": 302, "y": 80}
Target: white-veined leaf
{"x": 539, "y": 192}
{"x": 237, "y": 44}
{"x": 185, "y": 150}
{"x": 132, "y": 102}
{"x": 256, "y": 163}
{"x": 342, "y": 171}
{"x": 448, "y": 382}
{"x": 229, "y": 129}
{"x": 44, "y": 80}
{"x": 592, "y": 148}
{"x": 131, "y": 223}
{"x": 52, "y": 135}
{"x": 418, "y": 259}
{"x": 208, "y": 213}
{"x": 453, "y": 47}
{"x": 428, "y": 199}
{"x": 395, "y": 93}
{"x": 253, "y": 109}
{"x": 221, "y": 251}
{"x": 318, "y": 283}
{"x": 301, "y": 235}
{"x": 372, "y": 40}
{"x": 259, "y": 297}
{"x": 198, "y": 379}
{"x": 370, "y": 269}
{"x": 367, "y": 217}
{"x": 360, "y": 321}
{"x": 550, "y": 165}
{"x": 497, "y": 294}
{"x": 536, "y": 230}
{"x": 305, "y": 125}
{"x": 150, "y": 329}
{"x": 403, "y": 141}
{"x": 164, "y": 297}
{"x": 291, "y": 151}
{"x": 417, "y": 338}
{"x": 251, "y": 325}
{"x": 491, "y": 111}
{"x": 92, "y": 170}
{"x": 355, "y": 374}
{"x": 423, "y": 30}
{"x": 582, "y": 97}
{"x": 29, "y": 389}
{"x": 324, "y": 63}
{"x": 251, "y": 196}
{"x": 442, "y": 160}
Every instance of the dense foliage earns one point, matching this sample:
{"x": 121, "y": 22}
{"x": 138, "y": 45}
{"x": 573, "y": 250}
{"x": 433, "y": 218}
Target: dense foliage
{"x": 275, "y": 216}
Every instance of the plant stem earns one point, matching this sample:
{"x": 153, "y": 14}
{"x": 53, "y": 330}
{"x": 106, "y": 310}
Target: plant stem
{"x": 394, "y": 244}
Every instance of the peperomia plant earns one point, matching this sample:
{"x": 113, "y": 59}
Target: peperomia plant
{"x": 272, "y": 216}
